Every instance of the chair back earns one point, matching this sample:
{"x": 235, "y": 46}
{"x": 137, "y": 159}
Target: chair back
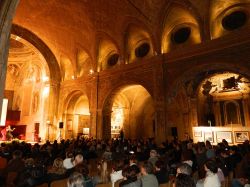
{"x": 11, "y": 177}
{"x": 3, "y": 163}
{"x": 43, "y": 185}
{"x": 104, "y": 185}
{"x": 117, "y": 183}
{"x": 59, "y": 183}
{"x": 165, "y": 184}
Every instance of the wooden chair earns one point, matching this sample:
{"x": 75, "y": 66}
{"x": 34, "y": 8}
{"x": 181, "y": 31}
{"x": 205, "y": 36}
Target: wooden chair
{"x": 104, "y": 185}
{"x": 11, "y": 177}
{"x": 117, "y": 183}
{"x": 3, "y": 163}
{"x": 59, "y": 183}
{"x": 230, "y": 178}
{"x": 43, "y": 185}
{"x": 165, "y": 185}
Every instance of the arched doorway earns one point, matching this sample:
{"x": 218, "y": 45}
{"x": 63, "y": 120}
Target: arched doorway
{"x": 76, "y": 115}
{"x": 130, "y": 108}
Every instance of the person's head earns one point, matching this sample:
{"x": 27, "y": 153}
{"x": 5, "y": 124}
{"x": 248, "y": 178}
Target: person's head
{"x": 146, "y": 168}
{"x": 132, "y": 159}
{"x": 153, "y": 153}
{"x": 183, "y": 180}
{"x": 132, "y": 173}
{"x": 159, "y": 165}
{"x": 125, "y": 173}
{"x": 83, "y": 169}
{"x": 76, "y": 180}
{"x": 78, "y": 159}
{"x": 58, "y": 163}
{"x": 29, "y": 162}
{"x": 184, "y": 168}
{"x": 118, "y": 165}
{"x": 208, "y": 145}
{"x": 17, "y": 154}
{"x": 211, "y": 165}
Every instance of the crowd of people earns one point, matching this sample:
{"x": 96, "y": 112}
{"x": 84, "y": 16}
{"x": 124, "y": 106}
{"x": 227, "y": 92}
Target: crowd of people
{"x": 132, "y": 163}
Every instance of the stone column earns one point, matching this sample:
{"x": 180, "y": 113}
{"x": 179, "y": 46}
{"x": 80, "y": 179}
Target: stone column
{"x": 7, "y": 11}
{"x": 160, "y": 125}
{"x": 106, "y": 125}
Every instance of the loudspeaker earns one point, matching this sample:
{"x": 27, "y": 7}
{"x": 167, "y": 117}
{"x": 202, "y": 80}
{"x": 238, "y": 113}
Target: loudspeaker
{"x": 174, "y": 131}
{"x": 61, "y": 125}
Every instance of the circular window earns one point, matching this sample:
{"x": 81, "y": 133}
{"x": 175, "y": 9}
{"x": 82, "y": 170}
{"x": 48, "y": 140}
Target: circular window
{"x": 142, "y": 50}
{"x": 234, "y": 20}
{"x": 113, "y": 59}
{"x": 181, "y": 35}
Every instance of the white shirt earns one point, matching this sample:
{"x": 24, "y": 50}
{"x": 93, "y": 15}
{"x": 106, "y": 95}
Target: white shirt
{"x": 212, "y": 180}
{"x": 115, "y": 176}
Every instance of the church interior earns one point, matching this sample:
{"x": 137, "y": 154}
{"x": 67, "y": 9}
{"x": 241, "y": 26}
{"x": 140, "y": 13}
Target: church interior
{"x": 150, "y": 68}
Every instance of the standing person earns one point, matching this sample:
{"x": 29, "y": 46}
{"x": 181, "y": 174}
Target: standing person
{"x": 148, "y": 179}
{"x": 9, "y": 131}
{"x": 121, "y": 135}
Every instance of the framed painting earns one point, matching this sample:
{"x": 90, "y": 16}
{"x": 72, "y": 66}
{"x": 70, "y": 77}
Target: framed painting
{"x": 226, "y": 135}
{"x": 197, "y": 133}
{"x": 209, "y": 136}
{"x": 241, "y": 136}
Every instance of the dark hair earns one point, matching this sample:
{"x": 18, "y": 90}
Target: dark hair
{"x": 212, "y": 166}
{"x": 148, "y": 166}
{"x": 183, "y": 180}
{"x": 83, "y": 169}
{"x": 17, "y": 154}
{"x": 159, "y": 164}
{"x": 118, "y": 165}
{"x": 132, "y": 174}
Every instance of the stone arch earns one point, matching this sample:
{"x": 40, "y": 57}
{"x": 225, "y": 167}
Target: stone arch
{"x": 108, "y": 53}
{"x": 83, "y": 63}
{"x": 67, "y": 71}
{"x": 178, "y": 16}
{"x": 137, "y": 34}
{"x": 182, "y": 98}
{"x": 76, "y": 113}
{"x": 224, "y": 8}
{"x": 132, "y": 102}
{"x": 7, "y": 11}
{"x": 42, "y": 47}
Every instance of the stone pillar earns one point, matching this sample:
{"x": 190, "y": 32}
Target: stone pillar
{"x": 160, "y": 125}
{"x": 193, "y": 115}
{"x": 106, "y": 125}
{"x": 7, "y": 10}
{"x": 246, "y": 110}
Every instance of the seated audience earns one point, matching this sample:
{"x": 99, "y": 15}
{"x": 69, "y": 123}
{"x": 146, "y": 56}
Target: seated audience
{"x": 130, "y": 178}
{"x": 184, "y": 168}
{"x": 148, "y": 179}
{"x": 161, "y": 172}
{"x": 83, "y": 169}
{"x": 183, "y": 180}
{"x": 76, "y": 180}
{"x": 57, "y": 171}
{"x": 153, "y": 157}
{"x": 133, "y": 163}
{"x": 211, "y": 179}
{"x": 116, "y": 173}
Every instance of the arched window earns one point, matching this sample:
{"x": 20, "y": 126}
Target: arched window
{"x": 232, "y": 112}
